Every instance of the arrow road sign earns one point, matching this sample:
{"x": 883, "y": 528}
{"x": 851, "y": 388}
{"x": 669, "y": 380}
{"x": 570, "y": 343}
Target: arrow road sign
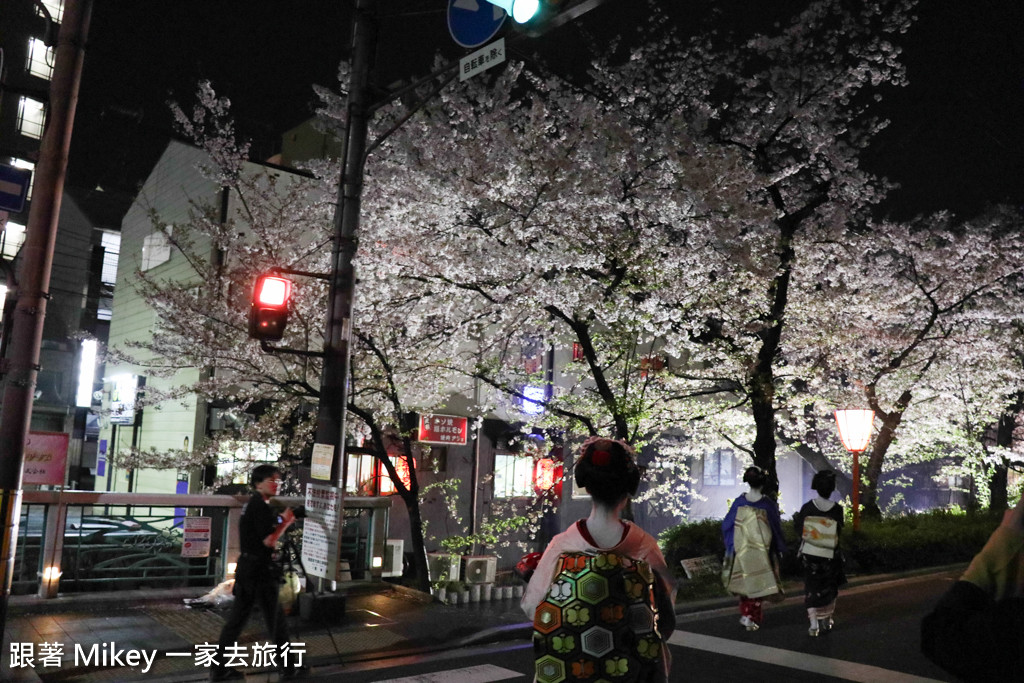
{"x": 473, "y": 22}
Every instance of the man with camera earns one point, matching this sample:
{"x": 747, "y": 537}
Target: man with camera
{"x": 258, "y": 575}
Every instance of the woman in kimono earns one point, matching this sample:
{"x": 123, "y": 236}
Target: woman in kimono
{"x": 640, "y": 618}
{"x": 818, "y": 524}
{"x": 752, "y": 531}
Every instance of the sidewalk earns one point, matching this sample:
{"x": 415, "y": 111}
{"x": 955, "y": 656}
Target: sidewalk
{"x": 382, "y": 620}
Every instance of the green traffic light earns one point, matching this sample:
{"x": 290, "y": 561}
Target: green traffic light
{"x": 521, "y": 11}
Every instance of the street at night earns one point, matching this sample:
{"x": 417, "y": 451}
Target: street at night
{"x": 457, "y": 341}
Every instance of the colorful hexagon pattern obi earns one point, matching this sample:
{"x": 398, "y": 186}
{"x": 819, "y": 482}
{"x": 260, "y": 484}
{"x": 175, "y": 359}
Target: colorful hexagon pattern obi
{"x": 598, "y": 622}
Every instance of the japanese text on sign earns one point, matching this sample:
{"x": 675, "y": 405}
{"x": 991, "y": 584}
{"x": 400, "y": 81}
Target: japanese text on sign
{"x": 446, "y": 430}
{"x": 482, "y": 59}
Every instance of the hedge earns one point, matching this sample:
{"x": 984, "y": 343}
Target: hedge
{"x": 897, "y": 543}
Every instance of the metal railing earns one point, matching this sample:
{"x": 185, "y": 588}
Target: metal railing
{"x": 83, "y": 540}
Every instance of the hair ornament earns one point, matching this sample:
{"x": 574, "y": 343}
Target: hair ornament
{"x": 600, "y": 458}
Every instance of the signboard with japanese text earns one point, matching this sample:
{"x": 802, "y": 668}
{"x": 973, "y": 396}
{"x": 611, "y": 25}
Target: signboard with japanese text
{"x": 46, "y": 457}
{"x": 482, "y": 60}
{"x": 444, "y": 430}
{"x": 321, "y": 530}
{"x": 196, "y": 540}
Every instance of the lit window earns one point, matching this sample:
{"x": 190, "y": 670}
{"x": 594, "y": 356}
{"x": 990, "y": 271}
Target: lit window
{"x": 21, "y": 163}
{"x": 719, "y": 469}
{"x": 56, "y": 9}
{"x": 40, "y": 59}
{"x": 156, "y": 249}
{"x": 362, "y": 474}
{"x": 237, "y": 458}
{"x": 513, "y": 475}
{"x": 387, "y": 487}
{"x": 31, "y": 117}
{"x": 13, "y": 238}
{"x": 111, "y": 243}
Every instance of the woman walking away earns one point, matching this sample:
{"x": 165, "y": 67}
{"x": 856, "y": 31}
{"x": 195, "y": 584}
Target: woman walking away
{"x": 818, "y": 524}
{"x": 602, "y": 598}
{"x": 752, "y": 532}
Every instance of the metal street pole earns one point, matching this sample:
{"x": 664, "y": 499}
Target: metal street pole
{"x": 37, "y": 260}
{"x": 330, "y": 422}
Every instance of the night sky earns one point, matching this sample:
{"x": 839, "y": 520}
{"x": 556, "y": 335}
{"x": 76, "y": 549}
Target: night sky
{"x": 956, "y": 139}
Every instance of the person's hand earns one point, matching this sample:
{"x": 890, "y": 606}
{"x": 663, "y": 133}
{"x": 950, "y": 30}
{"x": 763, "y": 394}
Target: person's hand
{"x": 288, "y": 516}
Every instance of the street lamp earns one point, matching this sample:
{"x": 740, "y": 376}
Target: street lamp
{"x": 855, "y": 431}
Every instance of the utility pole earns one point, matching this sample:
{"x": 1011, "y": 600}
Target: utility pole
{"x": 330, "y": 421}
{"x": 34, "y": 281}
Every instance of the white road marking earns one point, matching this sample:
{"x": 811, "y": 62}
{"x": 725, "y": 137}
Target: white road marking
{"x": 838, "y": 668}
{"x": 485, "y": 673}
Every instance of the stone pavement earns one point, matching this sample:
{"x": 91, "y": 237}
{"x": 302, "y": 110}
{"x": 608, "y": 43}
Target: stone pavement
{"x": 386, "y": 621}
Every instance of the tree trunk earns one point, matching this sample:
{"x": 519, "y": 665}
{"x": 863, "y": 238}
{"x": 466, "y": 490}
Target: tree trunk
{"x": 419, "y": 546}
{"x": 873, "y": 470}
{"x": 762, "y": 404}
{"x": 998, "y": 496}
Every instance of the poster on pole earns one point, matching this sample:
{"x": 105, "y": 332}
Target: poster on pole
{"x": 196, "y": 540}
{"x": 46, "y": 456}
{"x": 323, "y": 456}
{"x": 321, "y": 530}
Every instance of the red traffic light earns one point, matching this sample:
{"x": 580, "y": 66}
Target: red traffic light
{"x": 268, "y": 312}
{"x": 272, "y": 291}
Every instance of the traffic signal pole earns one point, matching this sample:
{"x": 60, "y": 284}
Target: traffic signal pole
{"x": 330, "y": 421}
{"x": 34, "y": 281}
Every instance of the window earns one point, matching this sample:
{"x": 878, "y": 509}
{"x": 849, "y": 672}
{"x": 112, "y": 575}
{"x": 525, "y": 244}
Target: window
{"x": 156, "y": 249}
{"x": 40, "y": 59}
{"x": 719, "y": 468}
{"x": 236, "y": 459}
{"x": 21, "y": 163}
{"x": 31, "y": 117}
{"x": 513, "y": 475}
{"x": 361, "y": 479}
{"x": 111, "y": 243}
{"x": 56, "y": 9}
{"x": 13, "y": 238}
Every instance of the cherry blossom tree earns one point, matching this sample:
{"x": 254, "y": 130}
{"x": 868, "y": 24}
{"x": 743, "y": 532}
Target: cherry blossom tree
{"x": 918, "y": 326}
{"x": 657, "y": 216}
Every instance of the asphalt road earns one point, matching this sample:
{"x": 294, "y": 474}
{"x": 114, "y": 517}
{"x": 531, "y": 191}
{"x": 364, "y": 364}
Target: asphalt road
{"x": 876, "y": 639}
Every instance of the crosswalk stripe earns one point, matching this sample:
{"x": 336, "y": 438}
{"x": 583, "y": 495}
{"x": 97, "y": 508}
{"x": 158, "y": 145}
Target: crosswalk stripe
{"x": 485, "y": 673}
{"x": 838, "y": 668}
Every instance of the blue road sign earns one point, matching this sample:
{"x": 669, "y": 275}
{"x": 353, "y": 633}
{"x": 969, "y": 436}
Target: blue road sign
{"x": 473, "y": 22}
{"x": 14, "y": 184}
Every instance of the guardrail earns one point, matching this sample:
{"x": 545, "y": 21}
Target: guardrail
{"x": 85, "y": 540}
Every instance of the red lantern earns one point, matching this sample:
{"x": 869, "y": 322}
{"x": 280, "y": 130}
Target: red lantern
{"x": 547, "y": 477}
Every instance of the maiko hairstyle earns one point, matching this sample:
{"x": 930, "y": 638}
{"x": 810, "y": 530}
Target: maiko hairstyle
{"x": 755, "y": 477}
{"x": 261, "y": 472}
{"x": 824, "y": 482}
{"x": 607, "y": 469}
